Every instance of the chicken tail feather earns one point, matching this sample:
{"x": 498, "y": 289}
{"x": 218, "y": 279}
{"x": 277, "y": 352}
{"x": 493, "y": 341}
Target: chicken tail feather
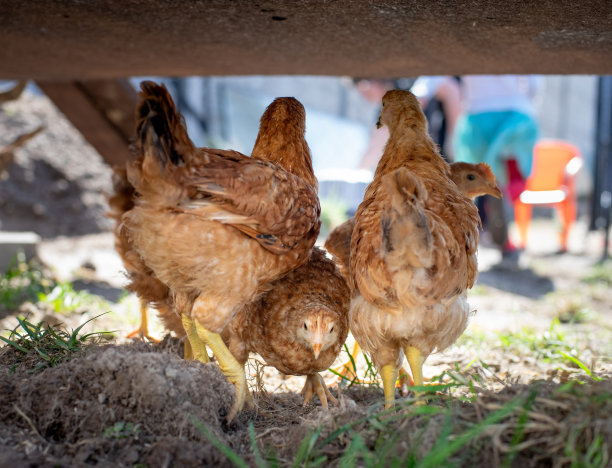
{"x": 405, "y": 230}
{"x": 160, "y": 127}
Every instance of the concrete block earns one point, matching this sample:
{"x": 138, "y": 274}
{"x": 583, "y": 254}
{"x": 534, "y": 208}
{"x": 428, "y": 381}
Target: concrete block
{"x": 13, "y": 242}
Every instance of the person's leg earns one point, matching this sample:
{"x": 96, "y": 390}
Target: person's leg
{"x": 496, "y": 221}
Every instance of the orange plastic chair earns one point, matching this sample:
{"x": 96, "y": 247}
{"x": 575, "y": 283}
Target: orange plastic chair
{"x": 551, "y": 182}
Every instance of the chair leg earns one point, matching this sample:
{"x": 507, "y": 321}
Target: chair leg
{"x": 567, "y": 213}
{"x": 522, "y": 217}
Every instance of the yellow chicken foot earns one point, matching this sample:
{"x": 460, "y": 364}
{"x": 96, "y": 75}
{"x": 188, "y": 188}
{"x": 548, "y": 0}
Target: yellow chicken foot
{"x": 315, "y": 384}
{"x": 195, "y": 349}
{"x": 143, "y": 330}
{"x": 229, "y": 366}
{"x": 389, "y": 377}
{"x": 415, "y": 360}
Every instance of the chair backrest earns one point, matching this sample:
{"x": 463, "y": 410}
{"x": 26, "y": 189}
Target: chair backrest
{"x": 550, "y": 160}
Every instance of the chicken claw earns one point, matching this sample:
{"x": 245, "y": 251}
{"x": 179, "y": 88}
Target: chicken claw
{"x": 230, "y": 367}
{"x": 315, "y": 384}
{"x": 196, "y": 350}
{"x": 142, "y": 331}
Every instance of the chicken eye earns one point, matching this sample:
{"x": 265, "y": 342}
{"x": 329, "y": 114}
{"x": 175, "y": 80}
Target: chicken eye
{"x": 471, "y": 177}
{"x": 305, "y": 326}
{"x": 331, "y": 329}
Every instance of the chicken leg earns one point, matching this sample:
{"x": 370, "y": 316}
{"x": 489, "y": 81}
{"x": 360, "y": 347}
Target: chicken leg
{"x": 389, "y": 377}
{"x": 348, "y": 368}
{"x": 315, "y": 384}
{"x": 228, "y": 364}
{"x": 415, "y": 361}
{"x": 195, "y": 349}
{"x": 143, "y": 330}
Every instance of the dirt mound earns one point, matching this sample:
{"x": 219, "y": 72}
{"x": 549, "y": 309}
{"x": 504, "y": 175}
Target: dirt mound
{"x": 116, "y": 405}
{"x": 141, "y": 404}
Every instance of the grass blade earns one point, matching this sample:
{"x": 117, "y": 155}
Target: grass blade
{"x": 580, "y": 364}
{"x": 14, "y": 345}
{"x": 256, "y": 453}
{"x": 520, "y": 430}
{"x": 75, "y": 332}
{"x": 305, "y": 449}
{"x": 224, "y": 449}
{"x": 30, "y": 331}
{"x": 440, "y": 454}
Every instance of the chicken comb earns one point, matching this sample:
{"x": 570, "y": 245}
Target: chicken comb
{"x": 486, "y": 171}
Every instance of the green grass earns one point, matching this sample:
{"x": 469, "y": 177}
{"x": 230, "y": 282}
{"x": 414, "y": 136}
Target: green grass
{"x": 27, "y": 282}
{"x": 600, "y": 273}
{"x": 556, "y": 346}
{"x": 370, "y": 376}
{"x": 452, "y": 431}
{"x": 48, "y": 346}
{"x": 63, "y": 299}
{"x": 121, "y": 430}
{"x": 445, "y": 432}
{"x": 23, "y": 282}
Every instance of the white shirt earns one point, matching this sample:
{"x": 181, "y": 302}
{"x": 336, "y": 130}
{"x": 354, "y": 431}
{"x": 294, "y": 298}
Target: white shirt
{"x": 486, "y": 93}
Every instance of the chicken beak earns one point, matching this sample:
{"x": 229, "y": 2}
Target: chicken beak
{"x": 496, "y": 191}
{"x": 316, "y": 349}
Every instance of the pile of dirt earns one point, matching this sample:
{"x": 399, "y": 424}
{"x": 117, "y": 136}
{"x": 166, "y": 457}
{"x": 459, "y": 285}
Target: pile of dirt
{"x": 142, "y": 404}
{"x": 57, "y": 182}
{"x": 115, "y": 405}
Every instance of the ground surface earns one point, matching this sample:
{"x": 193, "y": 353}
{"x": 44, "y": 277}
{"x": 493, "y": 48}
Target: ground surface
{"x": 521, "y": 387}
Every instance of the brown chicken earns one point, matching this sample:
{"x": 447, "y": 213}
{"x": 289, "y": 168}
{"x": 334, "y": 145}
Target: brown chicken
{"x": 413, "y": 250}
{"x": 299, "y": 326}
{"x": 216, "y": 227}
{"x": 473, "y": 180}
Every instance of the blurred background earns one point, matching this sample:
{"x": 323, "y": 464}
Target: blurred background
{"x": 224, "y": 112}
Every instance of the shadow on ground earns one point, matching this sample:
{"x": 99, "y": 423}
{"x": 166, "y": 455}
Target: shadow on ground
{"x": 521, "y": 281}
{"x": 99, "y": 288}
